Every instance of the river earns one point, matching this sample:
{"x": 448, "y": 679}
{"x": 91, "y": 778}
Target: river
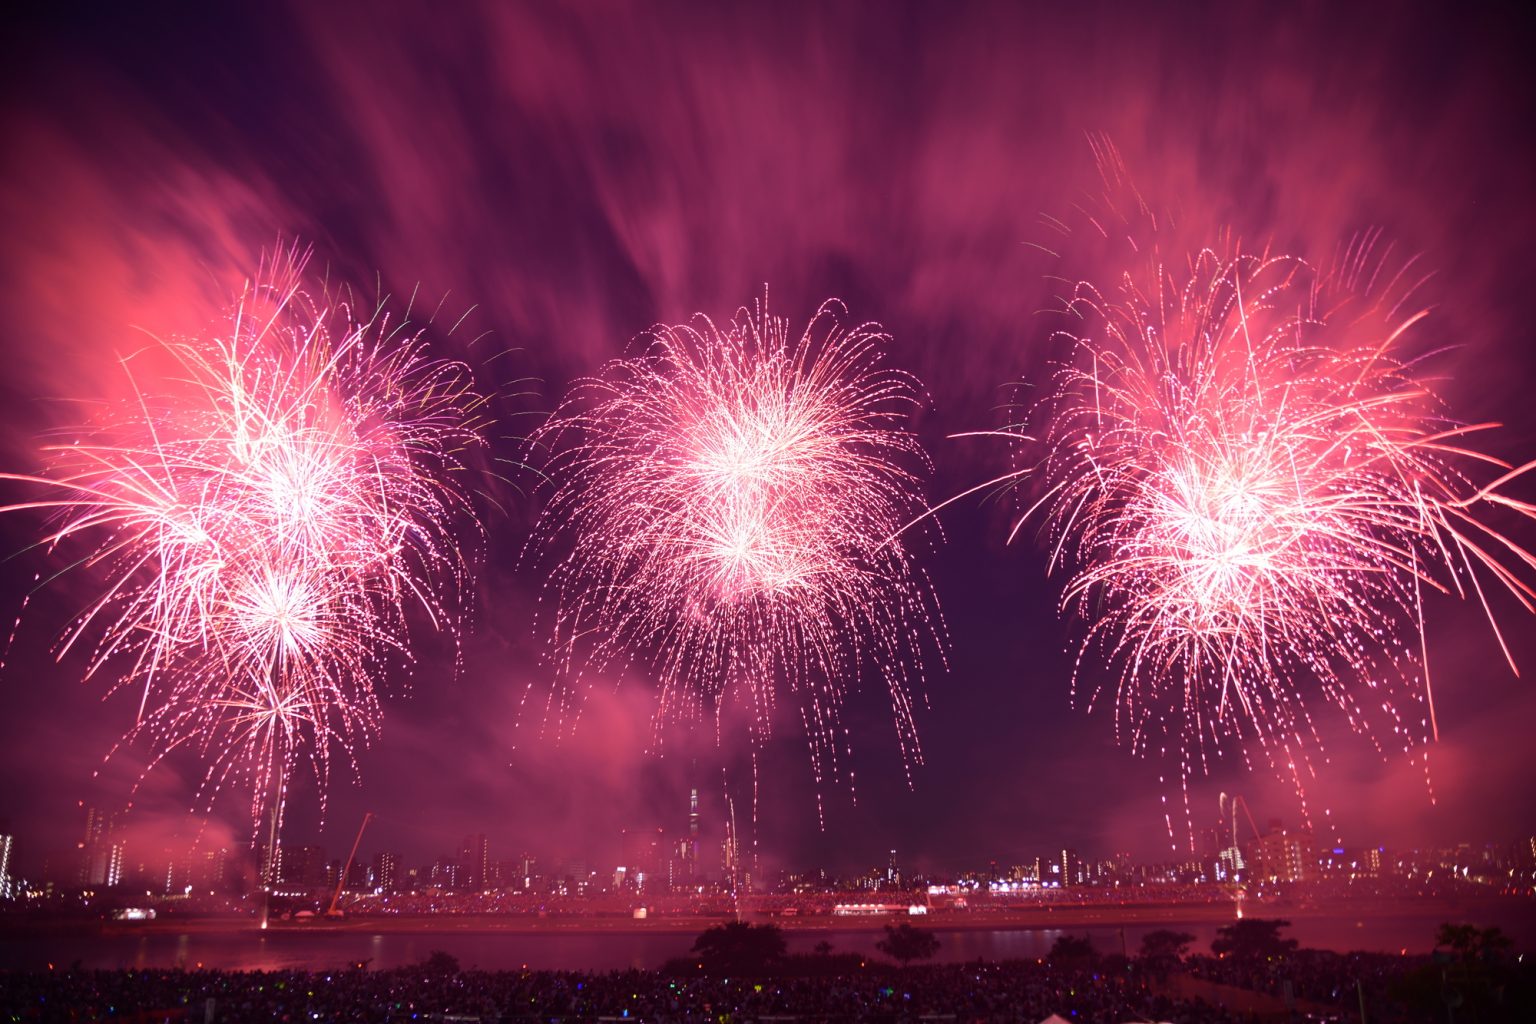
{"x": 397, "y": 944}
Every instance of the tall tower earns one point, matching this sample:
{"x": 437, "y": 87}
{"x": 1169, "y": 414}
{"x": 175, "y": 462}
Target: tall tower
{"x": 1071, "y": 868}
{"x": 5, "y": 867}
{"x": 101, "y": 858}
{"x": 693, "y": 832}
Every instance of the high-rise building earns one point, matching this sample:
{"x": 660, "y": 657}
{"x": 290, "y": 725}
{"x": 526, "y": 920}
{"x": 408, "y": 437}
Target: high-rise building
{"x": 360, "y": 876}
{"x": 95, "y": 827}
{"x": 207, "y": 869}
{"x": 447, "y": 874}
{"x": 573, "y": 877}
{"x": 1230, "y": 865}
{"x": 475, "y": 862}
{"x": 1524, "y": 853}
{"x": 1028, "y": 871}
{"x": 269, "y": 864}
{"x": 644, "y": 858}
{"x": 304, "y": 867}
{"x": 892, "y": 873}
{"x": 101, "y": 851}
{"x": 1283, "y": 855}
{"x": 1071, "y": 868}
{"x": 273, "y": 865}
{"x": 113, "y": 873}
{"x": 386, "y": 869}
{"x": 5, "y": 866}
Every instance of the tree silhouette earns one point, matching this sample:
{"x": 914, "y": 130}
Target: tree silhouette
{"x": 906, "y": 943}
{"x": 1253, "y": 939}
{"x": 441, "y": 962}
{"x": 1069, "y": 949}
{"x": 1474, "y": 983}
{"x": 740, "y": 948}
{"x": 1471, "y": 944}
{"x": 1163, "y": 949}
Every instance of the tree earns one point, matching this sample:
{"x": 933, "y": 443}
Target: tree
{"x": 906, "y": 943}
{"x": 1472, "y": 944}
{"x": 1163, "y": 949}
{"x": 1473, "y": 979}
{"x": 440, "y": 962}
{"x": 1253, "y": 939}
{"x": 1069, "y": 949}
{"x": 740, "y": 948}
{"x": 823, "y": 948}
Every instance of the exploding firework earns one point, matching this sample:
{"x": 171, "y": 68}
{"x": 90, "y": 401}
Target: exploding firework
{"x": 254, "y": 733}
{"x": 264, "y": 523}
{"x": 727, "y": 501}
{"x": 1250, "y": 494}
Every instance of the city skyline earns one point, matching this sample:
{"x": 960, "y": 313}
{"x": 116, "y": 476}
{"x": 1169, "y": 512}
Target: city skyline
{"x": 652, "y": 859}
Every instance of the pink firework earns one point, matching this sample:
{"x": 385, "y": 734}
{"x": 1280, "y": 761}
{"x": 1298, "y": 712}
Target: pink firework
{"x": 253, "y": 733}
{"x": 264, "y": 523}
{"x": 726, "y": 503}
{"x": 1251, "y": 493}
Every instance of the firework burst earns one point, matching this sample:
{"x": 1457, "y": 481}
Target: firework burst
{"x": 1250, "y": 493}
{"x": 264, "y": 524}
{"x": 726, "y": 502}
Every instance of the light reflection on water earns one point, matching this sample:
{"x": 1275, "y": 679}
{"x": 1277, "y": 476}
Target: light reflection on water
{"x": 284, "y": 949}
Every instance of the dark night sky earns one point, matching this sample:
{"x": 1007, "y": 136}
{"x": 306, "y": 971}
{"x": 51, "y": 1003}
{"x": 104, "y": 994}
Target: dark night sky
{"x": 577, "y": 172}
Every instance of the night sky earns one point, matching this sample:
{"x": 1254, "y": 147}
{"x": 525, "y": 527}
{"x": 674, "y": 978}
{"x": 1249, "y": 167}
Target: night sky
{"x": 569, "y": 174}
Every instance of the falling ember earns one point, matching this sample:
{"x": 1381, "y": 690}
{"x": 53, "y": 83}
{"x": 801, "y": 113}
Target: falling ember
{"x": 1250, "y": 492}
{"x": 723, "y": 509}
{"x": 264, "y": 522}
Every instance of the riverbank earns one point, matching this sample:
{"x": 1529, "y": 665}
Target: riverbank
{"x": 1518, "y": 913}
{"x": 584, "y": 942}
{"x": 1030, "y": 918}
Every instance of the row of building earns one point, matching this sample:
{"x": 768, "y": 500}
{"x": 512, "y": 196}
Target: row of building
{"x": 651, "y": 863}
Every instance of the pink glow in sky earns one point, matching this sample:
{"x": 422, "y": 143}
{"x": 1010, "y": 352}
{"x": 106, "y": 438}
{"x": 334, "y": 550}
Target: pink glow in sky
{"x": 563, "y": 177}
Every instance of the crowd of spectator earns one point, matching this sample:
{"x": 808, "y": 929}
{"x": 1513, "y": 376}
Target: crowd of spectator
{"x": 993, "y": 993}
{"x": 1315, "y": 975}
{"x": 739, "y": 973}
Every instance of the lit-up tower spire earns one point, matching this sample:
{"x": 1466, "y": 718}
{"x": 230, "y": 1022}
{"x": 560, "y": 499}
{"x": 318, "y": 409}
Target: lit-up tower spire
{"x": 693, "y": 831}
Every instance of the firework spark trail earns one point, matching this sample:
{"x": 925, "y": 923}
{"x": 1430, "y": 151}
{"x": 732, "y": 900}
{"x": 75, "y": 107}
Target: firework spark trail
{"x": 1249, "y": 492}
{"x": 253, "y": 734}
{"x": 264, "y": 524}
{"x": 724, "y": 503}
